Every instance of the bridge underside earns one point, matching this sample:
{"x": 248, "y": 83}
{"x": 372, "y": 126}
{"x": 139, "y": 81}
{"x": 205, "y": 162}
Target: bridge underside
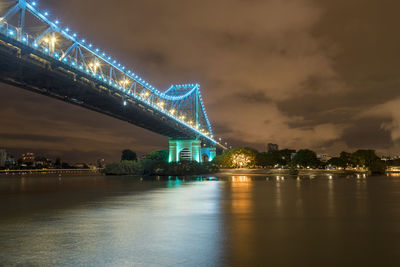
{"x": 23, "y": 67}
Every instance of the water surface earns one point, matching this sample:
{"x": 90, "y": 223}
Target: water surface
{"x": 233, "y": 221}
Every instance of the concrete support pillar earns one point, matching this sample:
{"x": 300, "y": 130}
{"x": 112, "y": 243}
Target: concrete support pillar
{"x": 184, "y": 150}
{"x": 172, "y": 151}
{"x": 208, "y": 153}
{"x": 213, "y": 153}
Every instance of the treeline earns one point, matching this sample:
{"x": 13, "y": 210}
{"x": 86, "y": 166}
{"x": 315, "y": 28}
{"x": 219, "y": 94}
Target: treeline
{"x": 304, "y": 158}
{"x": 156, "y": 163}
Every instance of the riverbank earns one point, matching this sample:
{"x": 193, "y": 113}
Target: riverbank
{"x": 247, "y": 171}
{"x": 182, "y": 171}
{"x": 42, "y": 172}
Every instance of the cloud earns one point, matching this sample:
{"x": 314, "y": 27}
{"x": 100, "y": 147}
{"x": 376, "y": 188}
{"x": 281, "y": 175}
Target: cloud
{"x": 389, "y": 115}
{"x": 265, "y": 123}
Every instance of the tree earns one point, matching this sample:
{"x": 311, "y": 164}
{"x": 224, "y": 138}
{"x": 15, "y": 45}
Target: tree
{"x": 58, "y": 163}
{"x": 305, "y": 158}
{"x": 378, "y": 167}
{"x": 286, "y": 156}
{"x": 123, "y": 167}
{"x": 159, "y": 155}
{"x": 364, "y": 157}
{"x": 338, "y": 162}
{"x": 269, "y": 159}
{"x": 346, "y": 158}
{"x": 237, "y": 158}
{"x": 263, "y": 159}
{"x": 128, "y": 154}
{"x": 242, "y": 157}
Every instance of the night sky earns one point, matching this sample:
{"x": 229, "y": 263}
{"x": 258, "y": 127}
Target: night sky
{"x": 320, "y": 74}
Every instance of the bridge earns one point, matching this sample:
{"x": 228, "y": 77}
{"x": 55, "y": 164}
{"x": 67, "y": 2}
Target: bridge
{"x": 43, "y": 56}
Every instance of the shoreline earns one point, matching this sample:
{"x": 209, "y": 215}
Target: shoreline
{"x": 220, "y": 173}
{"x": 247, "y": 171}
{"x": 49, "y": 172}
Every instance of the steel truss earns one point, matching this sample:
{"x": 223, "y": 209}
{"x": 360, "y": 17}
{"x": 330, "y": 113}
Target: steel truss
{"x": 22, "y": 21}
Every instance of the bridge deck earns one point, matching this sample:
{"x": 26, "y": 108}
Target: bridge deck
{"x": 24, "y": 67}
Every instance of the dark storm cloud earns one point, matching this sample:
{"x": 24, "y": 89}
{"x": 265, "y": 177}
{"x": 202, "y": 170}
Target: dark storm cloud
{"x": 300, "y": 73}
{"x": 368, "y": 133}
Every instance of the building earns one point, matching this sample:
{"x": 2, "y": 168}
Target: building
{"x": 101, "y": 163}
{"x": 42, "y": 162}
{"x": 28, "y": 158}
{"x": 10, "y": 161}
{"x": 272, "y": 147}
{"x": 3, "y": 158}
{"x": 323, "y": 157}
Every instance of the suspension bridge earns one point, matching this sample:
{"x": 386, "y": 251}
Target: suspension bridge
{"x": 39, "y": 54}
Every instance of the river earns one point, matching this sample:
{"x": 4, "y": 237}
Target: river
{"x": 259, "y": 220}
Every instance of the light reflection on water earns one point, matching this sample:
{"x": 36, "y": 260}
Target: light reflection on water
{"x": 170, "y": 223}
{"x": 317, "y": 220}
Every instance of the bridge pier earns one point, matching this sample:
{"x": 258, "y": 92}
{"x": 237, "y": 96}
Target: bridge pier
{"x": 208, "y": 154}
{"x": 184, "y": 150}
{"x": 190, "y": 150}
